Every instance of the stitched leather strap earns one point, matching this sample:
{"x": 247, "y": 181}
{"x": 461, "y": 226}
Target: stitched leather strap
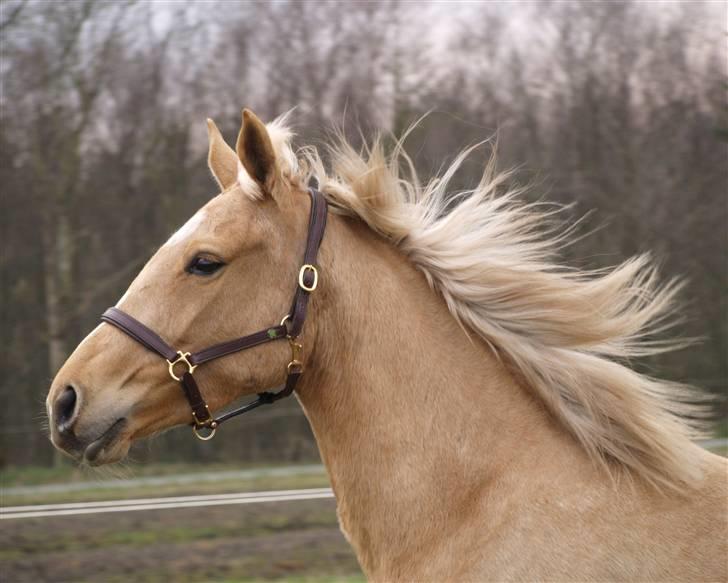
{"x": 139, "y": 332}
{"x": 316, "y": 228}
{"x": 200, "y": 411}
{"x": 232, "y": 346}
{"x": 151, "y": 340}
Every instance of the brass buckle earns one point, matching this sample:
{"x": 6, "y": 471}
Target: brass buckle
{"x": 302, "y": 271}
{"x": 210, "y": 425}
{"x": 181, "y": 359}
{"x": 296, "y": 353}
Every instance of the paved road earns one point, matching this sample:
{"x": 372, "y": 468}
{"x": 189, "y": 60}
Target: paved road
{"x": 168, "y": 503}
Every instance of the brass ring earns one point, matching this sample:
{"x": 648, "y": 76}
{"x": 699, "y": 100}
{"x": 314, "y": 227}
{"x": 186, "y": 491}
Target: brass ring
{"x": 182, "y": 358}
{"x": 212, "y": 427}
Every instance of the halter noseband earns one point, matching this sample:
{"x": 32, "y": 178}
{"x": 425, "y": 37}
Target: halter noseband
{"x": 204, "y": 424}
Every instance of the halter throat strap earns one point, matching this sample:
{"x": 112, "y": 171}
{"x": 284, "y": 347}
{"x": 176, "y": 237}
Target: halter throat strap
{"x": 181, "y": 365}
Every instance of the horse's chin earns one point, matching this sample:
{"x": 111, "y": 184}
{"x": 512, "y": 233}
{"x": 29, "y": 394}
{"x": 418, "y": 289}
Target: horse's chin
{"x": 111, "y": 447}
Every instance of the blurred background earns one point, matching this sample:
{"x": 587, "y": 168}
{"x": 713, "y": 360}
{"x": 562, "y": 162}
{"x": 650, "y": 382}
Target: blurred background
{"x": 617, "y": 107}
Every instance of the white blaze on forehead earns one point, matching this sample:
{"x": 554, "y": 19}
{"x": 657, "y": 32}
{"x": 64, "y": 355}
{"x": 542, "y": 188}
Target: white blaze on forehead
{"x": 186, "y": 230}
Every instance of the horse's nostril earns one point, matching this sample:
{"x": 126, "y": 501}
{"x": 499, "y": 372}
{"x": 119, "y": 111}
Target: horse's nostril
{"x": 65, "y": 408}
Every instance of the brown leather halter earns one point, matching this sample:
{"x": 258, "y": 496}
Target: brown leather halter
{"x": 204, "y": 424}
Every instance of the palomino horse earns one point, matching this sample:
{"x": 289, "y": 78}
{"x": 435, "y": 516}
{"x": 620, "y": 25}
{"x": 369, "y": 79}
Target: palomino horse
{"x": 468, "y": 395}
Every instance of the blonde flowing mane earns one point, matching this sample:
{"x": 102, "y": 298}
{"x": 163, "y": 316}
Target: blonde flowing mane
{"x": 568, "y": 333}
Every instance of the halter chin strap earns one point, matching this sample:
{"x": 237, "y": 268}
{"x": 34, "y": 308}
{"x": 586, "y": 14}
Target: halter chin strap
{"x": 182, "y": 365}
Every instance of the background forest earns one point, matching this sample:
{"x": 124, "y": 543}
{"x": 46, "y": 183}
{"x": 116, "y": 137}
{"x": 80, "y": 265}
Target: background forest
{"x": 617, "y": 107}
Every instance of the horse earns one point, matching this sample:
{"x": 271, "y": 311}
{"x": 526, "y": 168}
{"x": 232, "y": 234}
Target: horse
{"x": 471, "y": 397}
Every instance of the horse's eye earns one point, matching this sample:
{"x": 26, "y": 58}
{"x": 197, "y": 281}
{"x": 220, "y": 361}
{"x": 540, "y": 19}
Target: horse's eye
{"x": 203, "y": 266}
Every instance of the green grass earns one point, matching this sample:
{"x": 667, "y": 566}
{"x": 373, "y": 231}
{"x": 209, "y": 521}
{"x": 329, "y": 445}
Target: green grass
{"x": 298, "y": 542}
{"x": 270, "y": 522}
{"x": 303, "y": 579}
{"x": 312, "y": 480}
{"x": 719, "y": 450}
{"x": 70, "y": 472}
{"x": 293, "y": 579}
{"x": 721, "y": 429}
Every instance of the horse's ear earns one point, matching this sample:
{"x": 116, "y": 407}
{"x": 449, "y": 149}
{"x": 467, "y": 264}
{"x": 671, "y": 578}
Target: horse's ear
{"x": 255, "y": 151}
{"x": 221, "y": 158}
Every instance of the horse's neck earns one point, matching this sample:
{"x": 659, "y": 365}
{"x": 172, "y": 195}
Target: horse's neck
{"x": 415, "y": 421}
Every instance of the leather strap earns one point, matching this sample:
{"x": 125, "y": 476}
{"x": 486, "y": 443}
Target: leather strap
{"x": 151, "y": 340}
{"x": 232, "y": 346}
{"x": 139, "y": 332}
{"x": 265, "y": 398}
{"x": 316, "y": 228}
{"x": 290, "y": 328}
{"x": 200, "y": 411}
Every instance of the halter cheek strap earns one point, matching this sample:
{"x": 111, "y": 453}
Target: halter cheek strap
{"x": 181, "y": 365}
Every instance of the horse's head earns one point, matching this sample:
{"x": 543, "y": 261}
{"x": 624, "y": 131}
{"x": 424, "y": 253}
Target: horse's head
{"x": 225, "y": 273}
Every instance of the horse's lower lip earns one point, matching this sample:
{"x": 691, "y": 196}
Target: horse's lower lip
{"x": 96, "y": 447}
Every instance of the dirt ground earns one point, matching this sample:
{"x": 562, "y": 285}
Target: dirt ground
{"x": 295, "y": 541}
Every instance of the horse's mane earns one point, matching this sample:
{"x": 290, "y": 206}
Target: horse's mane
{"x": 568, "y": 332}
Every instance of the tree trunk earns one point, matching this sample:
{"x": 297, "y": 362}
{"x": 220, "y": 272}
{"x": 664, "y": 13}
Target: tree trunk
{"x": 58, "y": 259}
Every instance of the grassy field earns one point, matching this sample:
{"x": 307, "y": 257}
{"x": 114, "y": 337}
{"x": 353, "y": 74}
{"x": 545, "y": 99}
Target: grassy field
{"x": 69, "y": 472}
{"x": 295, "y": 541}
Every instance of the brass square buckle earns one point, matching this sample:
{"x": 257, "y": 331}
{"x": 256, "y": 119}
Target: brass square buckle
{"x": 302, "y": 272}
{"x": 296, "y": 364}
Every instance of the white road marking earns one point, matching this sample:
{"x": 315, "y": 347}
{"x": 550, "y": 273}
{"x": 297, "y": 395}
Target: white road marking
{"x": 76, "y": 508}
{"x": 166, "y": 499}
